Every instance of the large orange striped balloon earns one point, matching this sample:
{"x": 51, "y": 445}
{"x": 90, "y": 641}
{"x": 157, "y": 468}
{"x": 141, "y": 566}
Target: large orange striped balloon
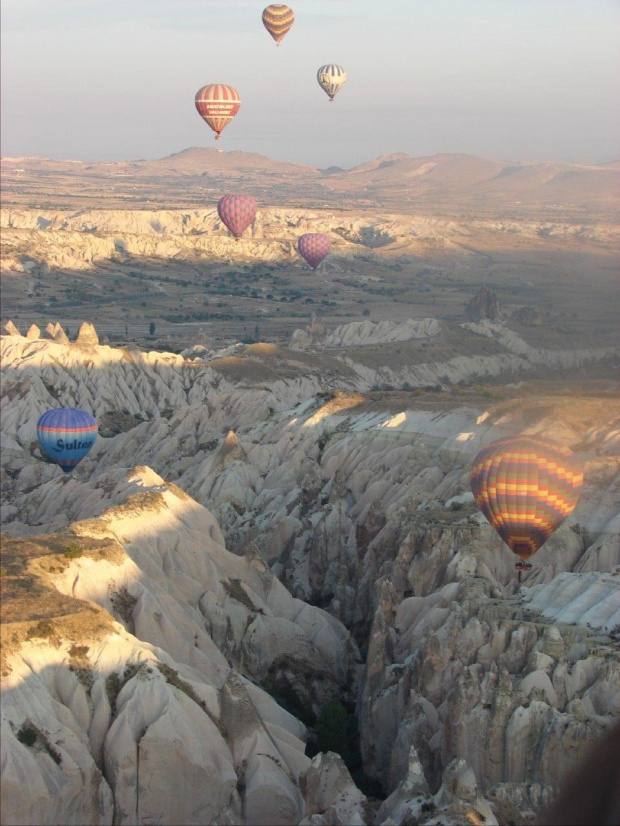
{"x": 278, "y": 19}
{"x": 217, "y": 104}
{"x": 526, "y": 488}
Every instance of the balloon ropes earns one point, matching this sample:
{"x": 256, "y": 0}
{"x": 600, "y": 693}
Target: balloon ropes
{"x": 278, "y": 19}
{"x": 331, "y": 78}
{"x": 526, "y": 487}
{"x": 217, "y": 105}
{"x": 237, "y": 212}
{"x": 66, "y": 434}
{"x": 313, "y": 247}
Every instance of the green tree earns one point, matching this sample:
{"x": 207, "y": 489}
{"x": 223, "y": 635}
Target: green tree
{"x": 257, "y": 333}
{"x": 331, "y": 729}
{"x": 152, "y": 328}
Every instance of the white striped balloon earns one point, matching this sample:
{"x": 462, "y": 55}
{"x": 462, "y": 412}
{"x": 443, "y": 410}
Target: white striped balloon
{"x": 331, "y": 78}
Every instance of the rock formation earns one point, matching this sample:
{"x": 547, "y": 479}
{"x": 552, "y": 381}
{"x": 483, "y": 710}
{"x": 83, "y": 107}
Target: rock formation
{"x": 484, "y": 306}
{"x": 177, "y": 562}
{"x": 528, "y": 316}
{"x": 56, "y": 332}
{"x": 87, "y": 335}
{"x": 184, "y": 737}
{"x": 85, "y": 239}
{"x": 11, "y": 329}
{"x": 364, "y": 333}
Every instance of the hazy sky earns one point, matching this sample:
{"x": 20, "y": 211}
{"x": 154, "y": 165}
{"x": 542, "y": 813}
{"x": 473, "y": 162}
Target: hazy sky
{"x": 509, "y": 79}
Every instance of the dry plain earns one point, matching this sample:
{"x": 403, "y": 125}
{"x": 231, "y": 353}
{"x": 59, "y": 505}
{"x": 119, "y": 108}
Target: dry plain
{"x": 126, "y": 244}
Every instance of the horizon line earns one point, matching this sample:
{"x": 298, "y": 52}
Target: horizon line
{"x": 219, "y": 150}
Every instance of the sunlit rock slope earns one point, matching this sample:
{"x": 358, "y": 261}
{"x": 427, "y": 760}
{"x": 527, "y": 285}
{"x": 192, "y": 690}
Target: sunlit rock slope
{"x": 132, "y": 648}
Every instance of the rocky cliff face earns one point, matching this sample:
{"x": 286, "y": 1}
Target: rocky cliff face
{"x": 138, "y": 694}
{"x": 464, "y": 673}
{"x": 85, "y": 239}
{"x": 352, "y": 530}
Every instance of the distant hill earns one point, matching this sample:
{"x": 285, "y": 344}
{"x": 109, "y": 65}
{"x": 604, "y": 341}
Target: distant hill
{"x": 457, "y": 175}
{"x": 437, "y": 183}
{"x": 196, "y": 159}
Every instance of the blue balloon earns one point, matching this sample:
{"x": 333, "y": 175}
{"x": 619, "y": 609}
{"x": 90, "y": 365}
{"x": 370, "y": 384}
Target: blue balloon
{"x": 66, "y": 434}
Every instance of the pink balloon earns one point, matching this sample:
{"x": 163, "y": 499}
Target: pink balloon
{"x": 314, "y": 246}
{"x": 237, "y": 212}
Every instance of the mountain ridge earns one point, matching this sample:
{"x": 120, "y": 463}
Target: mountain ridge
{"x": 441, "y": 183}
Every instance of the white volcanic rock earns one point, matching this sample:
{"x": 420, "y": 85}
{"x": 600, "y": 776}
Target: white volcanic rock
{"x": 407, "y": 800}
{"x": 11, "y": 329}
{"x": 278, "y": 488}
{"x": 87, "y": 335}
{"x": 160, "y": 744}
{"x": 550, "y": 358}
{"x": 459, "y": 785}
{"x": 176, "y": 557}
{"x": 368, "y": 332}
{"x": 592, "y": 600}
{"x": 82, "y": 240}
{"x": 364, "y": 508}
{"x": 56, "y": 332}
{"x": 459, "y": 667}
{"x": 180, "y": 738}
{"x": 331, "y": 797}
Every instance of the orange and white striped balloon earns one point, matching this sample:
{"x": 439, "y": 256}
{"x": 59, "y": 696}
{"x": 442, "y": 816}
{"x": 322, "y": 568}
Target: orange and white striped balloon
{"x": 217, "y": 105}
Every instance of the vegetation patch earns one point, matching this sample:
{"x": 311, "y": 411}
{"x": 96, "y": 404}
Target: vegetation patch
{"x": 33, "y": 738}
{"x": 139, "y": 503}
{"x": 80, "y": 666}
{"x": 235, "y": 590}
{"x": 123, "y": 604}
{"x": 174, "y": 679}
{"x": 285, "y": 696}
{"x": 73, "y": 551}
{"x": 332, "y": 729}
{"x": 42, "y": 630}
{"x": 115, "y": 683}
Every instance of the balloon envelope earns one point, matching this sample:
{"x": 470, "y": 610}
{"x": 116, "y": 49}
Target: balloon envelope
{"x": 331, "y": 78}
{"x": 237, "y": 212}
{"x": 526, "y": 488}
{"x": 278, "y": 20}
{"x": 314, "y": 246}
{"x": 217, "y": 105}
{"x": 66, "y": 434}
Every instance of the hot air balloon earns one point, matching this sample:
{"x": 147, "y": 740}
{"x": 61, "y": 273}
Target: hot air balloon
{"x": 278, "y": 19}
{"x": 217, "y": 104}
{"x": 331, "y": 78}
{"x": 526, "y": 487}
{"x": 237, "y": 212}
{"x": 66, "y": 434}
{"x": 314, "y": 246}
